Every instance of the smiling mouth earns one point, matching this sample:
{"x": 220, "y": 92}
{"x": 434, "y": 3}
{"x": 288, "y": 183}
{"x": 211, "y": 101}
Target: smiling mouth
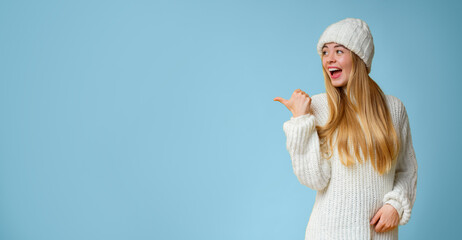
{"x": 335, "y": 73}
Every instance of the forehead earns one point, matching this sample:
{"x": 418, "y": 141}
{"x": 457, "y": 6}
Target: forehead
{"x": 332, "y": 44}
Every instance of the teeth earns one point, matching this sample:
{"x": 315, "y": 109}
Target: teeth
{"x": 333, "y": 69}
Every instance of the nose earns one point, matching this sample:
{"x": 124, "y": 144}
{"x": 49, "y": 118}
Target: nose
{"x": 330, "y": 58}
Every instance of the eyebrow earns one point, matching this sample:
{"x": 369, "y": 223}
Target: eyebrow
{"x": 338, "y": 45}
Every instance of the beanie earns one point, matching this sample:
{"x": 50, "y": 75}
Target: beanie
{"x": 354, "y": 34}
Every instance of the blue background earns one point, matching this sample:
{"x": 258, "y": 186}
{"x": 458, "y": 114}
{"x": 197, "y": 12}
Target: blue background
{"x": 156, "y": 119}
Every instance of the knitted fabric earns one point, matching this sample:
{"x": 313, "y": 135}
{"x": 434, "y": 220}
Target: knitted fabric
{"x": 348, "y": 197}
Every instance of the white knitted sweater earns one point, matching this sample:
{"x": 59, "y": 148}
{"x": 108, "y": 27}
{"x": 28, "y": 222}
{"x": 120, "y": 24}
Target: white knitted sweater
{"x": 348, "y": 198}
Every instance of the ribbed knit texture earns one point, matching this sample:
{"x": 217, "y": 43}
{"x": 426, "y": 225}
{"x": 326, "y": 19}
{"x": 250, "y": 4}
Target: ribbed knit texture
{"x": 348, "y": 198}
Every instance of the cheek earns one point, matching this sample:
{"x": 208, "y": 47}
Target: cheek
{"x": 347, "y": 67}
{"x": 349, "y": 70}
{"x": 347, "y": 74}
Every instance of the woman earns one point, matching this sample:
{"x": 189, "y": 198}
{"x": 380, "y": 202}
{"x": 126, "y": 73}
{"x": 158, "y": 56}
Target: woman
{"x": 352, "y": 144}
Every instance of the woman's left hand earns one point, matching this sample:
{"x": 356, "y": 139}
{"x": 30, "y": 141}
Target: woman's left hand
{"x": 389, "y": 218}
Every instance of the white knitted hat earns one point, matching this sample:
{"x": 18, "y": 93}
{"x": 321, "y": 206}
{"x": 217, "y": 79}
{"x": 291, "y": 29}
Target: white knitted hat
{"x": 354, "y": 34}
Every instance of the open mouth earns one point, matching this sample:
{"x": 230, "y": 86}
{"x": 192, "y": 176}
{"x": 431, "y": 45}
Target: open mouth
{"x": 335, "y": 72}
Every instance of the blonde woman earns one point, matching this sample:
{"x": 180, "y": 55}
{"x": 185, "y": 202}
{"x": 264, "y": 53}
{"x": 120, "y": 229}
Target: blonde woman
{"x": 352, "y": 144}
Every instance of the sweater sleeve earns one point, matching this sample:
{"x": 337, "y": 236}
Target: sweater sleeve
{"x": 403, "y": 194}
{"x": 304, "y": 149}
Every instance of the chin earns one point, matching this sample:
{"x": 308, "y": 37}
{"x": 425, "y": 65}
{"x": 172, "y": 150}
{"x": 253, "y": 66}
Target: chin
{"x": 338, "y": 83}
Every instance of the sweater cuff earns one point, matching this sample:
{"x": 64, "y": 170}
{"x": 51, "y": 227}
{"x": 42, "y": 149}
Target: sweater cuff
{"x": 401, "y": 203}
{"x": 397, "y": 206}
{"x": 301, "y": 116}
{"x": 303, "y": 120}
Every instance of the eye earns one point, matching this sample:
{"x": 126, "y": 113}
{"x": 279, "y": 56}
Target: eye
{"x": 324, "y": 52}
{"x": 339, "y": 51}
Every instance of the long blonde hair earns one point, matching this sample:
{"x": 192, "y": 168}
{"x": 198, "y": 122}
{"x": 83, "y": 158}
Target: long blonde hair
{"x": 373, "y": 132}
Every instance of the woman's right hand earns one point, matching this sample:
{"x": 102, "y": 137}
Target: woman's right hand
{"x": 299, "y": 103}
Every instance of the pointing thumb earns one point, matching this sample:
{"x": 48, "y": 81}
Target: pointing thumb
{"x": 280, "y": 99}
